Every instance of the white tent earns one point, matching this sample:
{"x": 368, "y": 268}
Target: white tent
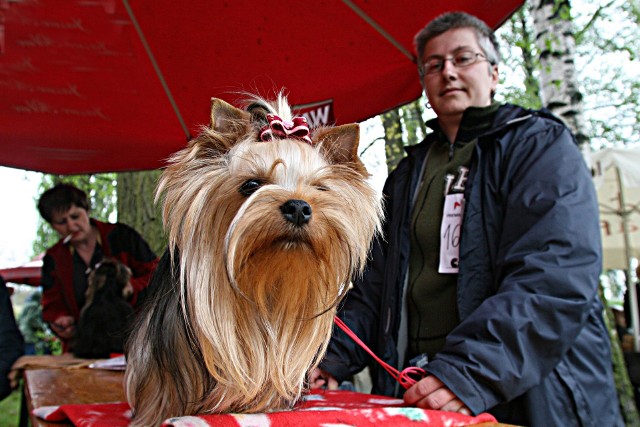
{"x": 616, "y": 174}
{"x": 617, "y": 180}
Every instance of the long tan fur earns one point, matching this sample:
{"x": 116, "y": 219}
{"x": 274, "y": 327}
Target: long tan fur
{"x": 244, "y": 309}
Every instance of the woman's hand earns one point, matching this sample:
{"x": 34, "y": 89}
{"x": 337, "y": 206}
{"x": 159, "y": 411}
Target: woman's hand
{"x": 431, "y": 393}
{"x": 319, "y": 378}
{"x": 64, "y": 327}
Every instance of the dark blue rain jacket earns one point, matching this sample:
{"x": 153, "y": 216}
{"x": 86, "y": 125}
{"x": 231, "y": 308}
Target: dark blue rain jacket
{"x": 531, "y": 347}
{"x": 11, "y": 342}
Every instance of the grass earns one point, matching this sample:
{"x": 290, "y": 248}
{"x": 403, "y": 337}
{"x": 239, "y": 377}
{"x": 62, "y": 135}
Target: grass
{"x": 10, "y": 410}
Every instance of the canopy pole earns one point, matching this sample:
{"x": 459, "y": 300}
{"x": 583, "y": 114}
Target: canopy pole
{"x": 157, "y": 69}
{"x": 369, "y": 20}
{"x": 631, "y": 286}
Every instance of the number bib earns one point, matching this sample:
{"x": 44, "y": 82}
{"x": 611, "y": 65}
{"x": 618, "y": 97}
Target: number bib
{"x": 450, "y": 233}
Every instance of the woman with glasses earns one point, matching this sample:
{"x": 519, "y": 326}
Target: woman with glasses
{"x": 487, "y": 274}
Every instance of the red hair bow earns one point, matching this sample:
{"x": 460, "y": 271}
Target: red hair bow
{"x": 278, "y": 128}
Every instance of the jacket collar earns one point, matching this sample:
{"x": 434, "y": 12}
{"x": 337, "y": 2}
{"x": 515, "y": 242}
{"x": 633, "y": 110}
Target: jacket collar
{"x": 504, "y": 117}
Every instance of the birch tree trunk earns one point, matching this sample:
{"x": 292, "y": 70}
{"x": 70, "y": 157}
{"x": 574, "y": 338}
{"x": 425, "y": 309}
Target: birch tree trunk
{"x": 556, "y": 45}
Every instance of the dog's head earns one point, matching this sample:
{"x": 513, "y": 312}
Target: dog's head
{"x": 105, "y": 317}
{"x": 258, "y": 192}
{"x": 108, "y": 277}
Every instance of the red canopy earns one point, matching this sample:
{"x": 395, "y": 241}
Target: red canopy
{"x": 27, "y": 274}
{"x": 95, "y": 86}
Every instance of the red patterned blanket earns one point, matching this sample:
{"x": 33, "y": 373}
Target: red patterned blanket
{"x": 319, "y": 408}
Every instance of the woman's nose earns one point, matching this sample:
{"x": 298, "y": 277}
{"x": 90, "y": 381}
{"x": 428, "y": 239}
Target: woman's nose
{"x": 449, "y": 70}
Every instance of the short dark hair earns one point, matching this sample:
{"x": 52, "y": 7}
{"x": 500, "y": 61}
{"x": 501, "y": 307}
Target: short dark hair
{"x": 451, "y": 20}
{"x": 61, "y": 198}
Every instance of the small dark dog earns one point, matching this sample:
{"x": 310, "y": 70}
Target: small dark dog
{"x": 106, "y": 316}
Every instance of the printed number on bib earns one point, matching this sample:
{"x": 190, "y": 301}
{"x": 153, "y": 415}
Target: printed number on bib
{"x": 450, "y": 233}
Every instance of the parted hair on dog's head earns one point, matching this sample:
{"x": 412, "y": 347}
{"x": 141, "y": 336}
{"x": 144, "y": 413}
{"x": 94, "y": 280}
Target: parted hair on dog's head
{"x": 267, "y": 222}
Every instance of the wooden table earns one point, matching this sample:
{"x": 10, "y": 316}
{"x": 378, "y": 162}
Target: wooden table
{"x": 57, "y": 386}
{"x": 47, "y": 387}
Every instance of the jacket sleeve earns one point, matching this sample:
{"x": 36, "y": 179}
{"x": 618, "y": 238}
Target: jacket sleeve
{"x": 546, "y": 265}
{"x": 360, "y": 310}
{"x": 11, "y": 343}
{"x": 53, "y": 302}
{"x": 128, "y": 246}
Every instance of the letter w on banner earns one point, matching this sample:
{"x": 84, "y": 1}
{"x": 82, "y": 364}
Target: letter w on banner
{"x": 317, "y": 113}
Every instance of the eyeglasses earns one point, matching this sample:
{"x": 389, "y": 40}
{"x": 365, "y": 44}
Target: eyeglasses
{"x": 461, "y": 59}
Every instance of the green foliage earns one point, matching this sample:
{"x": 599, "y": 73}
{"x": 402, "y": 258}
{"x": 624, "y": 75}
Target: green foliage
{"x": 414, "y": 127}
{"x": 101, "y": 190}
{"x": 520, "y": 64}
{"x": 403, "y": 126}
{"x": 48, "y": 343}
{"x": 393, "y": 130}
{"x": 10, "y": 410}
{"x": 34, "y": 330}
{"x": 563, "y": 10}
{"x": 607, "y": 39}
{"x": 632, "y": 8}
{"x": 608, "y": 42}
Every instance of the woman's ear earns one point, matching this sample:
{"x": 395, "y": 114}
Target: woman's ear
{"x": 495, "y": 79}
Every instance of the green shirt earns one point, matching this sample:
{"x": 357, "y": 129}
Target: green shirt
{"x": 431, "y": 297}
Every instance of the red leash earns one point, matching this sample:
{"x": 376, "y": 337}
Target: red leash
{"x": 404, "y": 378}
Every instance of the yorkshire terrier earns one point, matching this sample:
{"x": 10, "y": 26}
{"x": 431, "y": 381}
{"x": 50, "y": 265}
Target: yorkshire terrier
{"x": 267, "y": 223}
{"x": 106, "y": 315}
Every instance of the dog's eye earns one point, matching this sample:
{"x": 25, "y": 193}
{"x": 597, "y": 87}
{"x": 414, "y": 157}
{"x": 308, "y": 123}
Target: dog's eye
{"x": 319, "y": 185}
{"x": 250, "y": 187}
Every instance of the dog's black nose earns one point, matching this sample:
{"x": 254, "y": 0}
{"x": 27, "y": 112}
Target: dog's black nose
{"x": 297, "y": 212}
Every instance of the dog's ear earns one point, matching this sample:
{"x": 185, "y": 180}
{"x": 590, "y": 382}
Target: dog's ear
{"x": 226, "y": 119}
{"x": 339, "y": 144}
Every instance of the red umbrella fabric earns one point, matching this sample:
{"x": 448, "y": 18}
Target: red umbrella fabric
{"x": 27, "y": 274}
{"x": 96, "y": 86}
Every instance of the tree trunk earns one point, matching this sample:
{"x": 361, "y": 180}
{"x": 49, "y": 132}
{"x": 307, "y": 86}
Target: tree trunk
{"x": 556, "y": 46}
{"x": 394, "y": 147}
{"x": 136, "y": 207}
{"x": 413, "y": 123}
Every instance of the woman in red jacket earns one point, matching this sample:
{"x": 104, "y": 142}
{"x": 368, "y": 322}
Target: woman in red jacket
{"x": 83, "y": 243}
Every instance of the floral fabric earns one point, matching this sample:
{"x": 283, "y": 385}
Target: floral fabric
{"x": 318, "y": 408}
